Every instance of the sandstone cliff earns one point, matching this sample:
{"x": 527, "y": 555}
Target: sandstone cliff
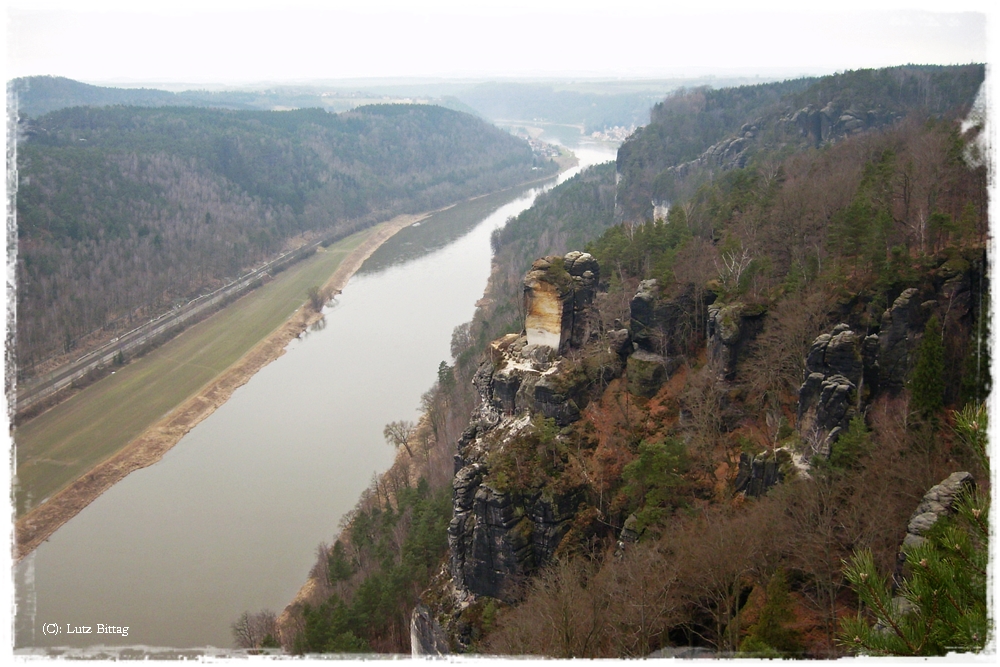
{"x": 517, "y": 505}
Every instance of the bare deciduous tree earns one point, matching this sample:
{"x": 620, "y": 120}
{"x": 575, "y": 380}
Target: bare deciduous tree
{"x": 251, "y": 630}
{"x": 398, "y": 434}
{"x": 562, "y": 616}
{"x": 642, "y": 599}
{"x": 721, "y": 556}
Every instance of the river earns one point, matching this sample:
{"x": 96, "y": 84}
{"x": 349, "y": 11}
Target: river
{"x": 229, "y": 520}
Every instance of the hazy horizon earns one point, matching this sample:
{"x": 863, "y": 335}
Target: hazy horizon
{"x": 219, "y": 43}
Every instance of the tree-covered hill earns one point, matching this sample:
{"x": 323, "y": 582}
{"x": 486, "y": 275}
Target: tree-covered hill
{"x": 766, "y": 385}
{"x": 39, "y": 95}
{"x": 668, "y": 158}
{"x": 711, "y": 505}
{"x": 121, "y": 210}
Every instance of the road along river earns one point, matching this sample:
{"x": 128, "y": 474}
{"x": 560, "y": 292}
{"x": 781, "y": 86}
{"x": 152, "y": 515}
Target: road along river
{"x": 229, "y": 519}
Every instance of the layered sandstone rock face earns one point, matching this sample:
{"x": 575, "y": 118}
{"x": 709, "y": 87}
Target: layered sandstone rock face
{"x": 846, "y": 369}
{"x": 840, "y": 368}
{"x": 556, "y": 292}
{"x": 729, "y": 331}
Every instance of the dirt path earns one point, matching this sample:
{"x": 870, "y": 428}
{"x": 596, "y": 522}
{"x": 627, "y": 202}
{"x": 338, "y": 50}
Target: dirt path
{"x": 41, "y": 522}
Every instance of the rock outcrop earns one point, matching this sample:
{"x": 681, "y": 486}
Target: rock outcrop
{"x": 845, "y": 370}
{"x": 647, "y": 372}
{"x": 524, "y": 377}
{"x": 661, "y": 330}
{"x": 557, "y": 291}
{"x": 731, "y": 327}
{"x": 665, "y": 326}
{"x": 902, "y": 326}
{"x": 498, "y": 536}
{"x": 937, "y": 503}
{"x": 834, "y": 121}
{"x": 502, "y": 529}
{"x": 757, "y": 474}
{"x": 427, "y": 637}
{"x": 841, "y": 366}
{"x": 731, "y": 153}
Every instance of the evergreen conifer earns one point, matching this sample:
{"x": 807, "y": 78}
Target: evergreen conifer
{"x": 941, "y": 607}
{"x": 927, "y": 380}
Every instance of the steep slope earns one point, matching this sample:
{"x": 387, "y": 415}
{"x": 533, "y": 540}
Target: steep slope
{"x": 695, "y": 133}
{"x": 680, "y": 462}
{"x": 768, "y": 385}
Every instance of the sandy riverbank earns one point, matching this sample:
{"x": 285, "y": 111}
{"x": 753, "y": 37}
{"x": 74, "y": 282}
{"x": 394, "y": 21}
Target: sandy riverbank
{"x": 41, "y": 522}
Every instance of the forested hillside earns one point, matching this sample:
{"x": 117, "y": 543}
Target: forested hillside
{"x": 123, "y": 211}
{"x": 805, "y": 358}
{"x": 594, "y": 104}
{"x": 762, "y": 433}
{"x": 695, "y": 133}
{"x": 39, "y": 95}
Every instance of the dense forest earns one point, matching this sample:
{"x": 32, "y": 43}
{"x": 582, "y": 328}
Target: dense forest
{"x": 39, "y": 95}
{"x": 781, "y": 382}
{"x": 124, "y": 211}
{"x": 722, "y": 128}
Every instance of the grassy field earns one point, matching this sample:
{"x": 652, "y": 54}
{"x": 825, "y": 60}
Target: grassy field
{"x": 60, "y": 445}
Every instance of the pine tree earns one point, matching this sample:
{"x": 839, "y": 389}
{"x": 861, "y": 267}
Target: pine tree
{"x": 941, "y": 607}
{"x": 926, "y": 382}
{"x": 770, "y": 636}
{"x": 972, "y": 428}
{"x": 976, "y": 378}
{"x": 852, "y": 445}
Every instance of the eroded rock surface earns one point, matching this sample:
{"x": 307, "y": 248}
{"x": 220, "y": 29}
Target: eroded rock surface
{"x": 902, "y": 326}
{"x": 426, "y": 635}
{"x": 757, "y": 474}
{"x": 838, "y": 366}
{"x": 557, "y": 291}
{"x": 834, "y": 121}
{"x": 731, "y": 327}
{"x": 664, "y": 326}
{"x": 938, "y": 503}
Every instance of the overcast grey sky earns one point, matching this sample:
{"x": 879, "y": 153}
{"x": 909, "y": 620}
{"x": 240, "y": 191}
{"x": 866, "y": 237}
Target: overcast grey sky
{"x": 215, "y": 41}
